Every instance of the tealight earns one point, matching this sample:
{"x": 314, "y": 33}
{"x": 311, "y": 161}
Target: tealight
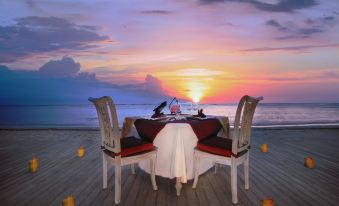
{"x": 81, "y": 151}
{"x": 68, "y": 201}
{"x": 263, "y": 148}
{"x": 309, "y": 163}
{"x": 33, "y": 165}
{"x": 267, "y": 202}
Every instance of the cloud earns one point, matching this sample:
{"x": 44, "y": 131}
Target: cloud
{"x": 86, "y": 76}
{"x": 290, "y": 48}
{"x": 33, "y": 34}
{"x": 321, "y": 75}
{"x": 305, "y": 29}
{"x": 62, "y": 82}
{"x": 60, "y": 68}
{"x": 156, "y": 12}
{"x": 106, "y": 70}
{"x": 198, "y": 72}
{"x": 280, "y": 6}
{"x": 284, "y": 5}
{"x": 30, "y": 3}
{"x": 120, "y": 75}
{"x": 153, "y": 84}
{"x": 275, "y": 24}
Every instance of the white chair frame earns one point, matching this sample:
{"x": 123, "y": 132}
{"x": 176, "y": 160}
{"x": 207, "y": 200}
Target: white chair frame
{"x": 110, "y": 140}
{"x": 240, "y": 145}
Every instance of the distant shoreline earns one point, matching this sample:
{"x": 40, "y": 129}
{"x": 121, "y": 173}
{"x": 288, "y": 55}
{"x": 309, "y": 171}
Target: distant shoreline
{"x": 183, "y": 102}
{"x": 256, "y": 127}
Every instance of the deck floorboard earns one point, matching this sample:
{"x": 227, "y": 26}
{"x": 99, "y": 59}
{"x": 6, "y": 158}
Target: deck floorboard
{"x": 278, "y": 174}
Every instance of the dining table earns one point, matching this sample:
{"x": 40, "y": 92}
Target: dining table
{"x": 176, "y": 137}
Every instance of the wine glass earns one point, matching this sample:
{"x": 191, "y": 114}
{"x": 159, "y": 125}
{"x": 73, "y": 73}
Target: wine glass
{"x": 195, "y": 106}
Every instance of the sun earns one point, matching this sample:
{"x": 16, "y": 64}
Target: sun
{"x": 195, "y": 97}
{"x": 195, "y": 90}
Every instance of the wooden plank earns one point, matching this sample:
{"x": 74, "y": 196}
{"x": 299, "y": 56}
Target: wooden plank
{"x": 208, "y": 190}
{"x": 191, "y": 197}
{"x": 278, "y": 174}
{"x": 145, "y": 185}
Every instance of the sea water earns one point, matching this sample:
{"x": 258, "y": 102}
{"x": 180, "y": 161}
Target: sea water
{"x": 82, "y": 116}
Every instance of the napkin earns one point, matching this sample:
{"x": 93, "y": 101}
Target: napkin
{"x": 200, "y": 114}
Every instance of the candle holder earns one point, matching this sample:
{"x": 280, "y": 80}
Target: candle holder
{"x": 174, "y": 109}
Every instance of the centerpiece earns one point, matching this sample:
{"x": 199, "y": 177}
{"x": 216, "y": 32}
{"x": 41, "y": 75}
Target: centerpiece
{"x": 174, "y": 109}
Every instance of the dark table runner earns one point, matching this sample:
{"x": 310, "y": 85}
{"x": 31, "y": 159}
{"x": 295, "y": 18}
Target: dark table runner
{"x": 148, "y": 129}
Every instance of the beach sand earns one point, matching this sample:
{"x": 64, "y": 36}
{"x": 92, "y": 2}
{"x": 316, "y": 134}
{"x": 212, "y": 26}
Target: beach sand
{"x": 278, "y": 174}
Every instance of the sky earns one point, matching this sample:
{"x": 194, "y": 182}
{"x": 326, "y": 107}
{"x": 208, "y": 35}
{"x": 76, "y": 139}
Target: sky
{"x": 211, "y": 51}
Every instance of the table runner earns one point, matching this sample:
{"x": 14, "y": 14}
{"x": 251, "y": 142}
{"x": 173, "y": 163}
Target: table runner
{"x": 148, "y": 129}
{"x": 203, "y": 128}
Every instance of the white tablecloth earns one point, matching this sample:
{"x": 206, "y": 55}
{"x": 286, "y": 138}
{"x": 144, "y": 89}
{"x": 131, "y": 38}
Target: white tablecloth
{"x": 176, "y": 143}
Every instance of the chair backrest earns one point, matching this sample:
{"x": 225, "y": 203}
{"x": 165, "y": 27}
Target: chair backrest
{"x": 243, "y": 123}
{"x": 108, "y": 122}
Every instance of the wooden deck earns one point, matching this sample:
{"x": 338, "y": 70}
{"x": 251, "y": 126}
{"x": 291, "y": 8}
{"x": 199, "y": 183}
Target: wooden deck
{"x": 278, "y": 174}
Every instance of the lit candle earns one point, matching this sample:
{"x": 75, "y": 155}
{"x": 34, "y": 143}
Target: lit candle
{"x": 68, "y": 201}
{"x": 81, "y": 151}
{"x": 309, "y": 163}
{"x": 263, "y": 148}
{"x": 33, "y": 165}
{"x": 267, "y": 202}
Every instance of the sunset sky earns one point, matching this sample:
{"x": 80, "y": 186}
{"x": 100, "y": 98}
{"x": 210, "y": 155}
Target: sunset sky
{"x": 207, "y": 50}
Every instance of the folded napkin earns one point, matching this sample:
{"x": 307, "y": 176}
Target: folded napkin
{"x": 158, "y": 109}
{"x": 200, "y": 114}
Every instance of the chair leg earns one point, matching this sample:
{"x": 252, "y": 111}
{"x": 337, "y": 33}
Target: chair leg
{"x": 133, "y": 169}
{"x": 196, "y": 169}
{"x": 216, "y": 165}
{"x": 117, "y": 183}
{"x": 246, "y": 172}
{"x": 234, "y": 181}
{"x": 104, "y": 171}
{"x": 152, "y": 164}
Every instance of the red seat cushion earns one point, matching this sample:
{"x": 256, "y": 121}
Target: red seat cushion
{"x": 216, "y": 145}
{"x": 219, "y": 146}
{"x": 131, "y": 146}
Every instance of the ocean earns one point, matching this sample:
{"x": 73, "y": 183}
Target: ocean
{"x": 84, "y": 116}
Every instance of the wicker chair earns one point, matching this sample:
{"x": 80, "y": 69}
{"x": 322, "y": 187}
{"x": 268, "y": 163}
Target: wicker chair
{"x": 120, "y": 151}
{"x": 232, "y": 152}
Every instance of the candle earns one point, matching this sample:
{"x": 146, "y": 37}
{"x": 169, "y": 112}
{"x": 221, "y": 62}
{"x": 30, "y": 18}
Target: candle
{"x": 68, "y": 201}
{"x": 309, "y": 163}
{"x": 81, "y": 151}
{"x": 33, "y": 165}
{"x": 263, "y": 148}
{"x": 267, "y": 202}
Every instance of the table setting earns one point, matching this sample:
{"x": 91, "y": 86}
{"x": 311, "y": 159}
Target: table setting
{"x": 176, "y": 135}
